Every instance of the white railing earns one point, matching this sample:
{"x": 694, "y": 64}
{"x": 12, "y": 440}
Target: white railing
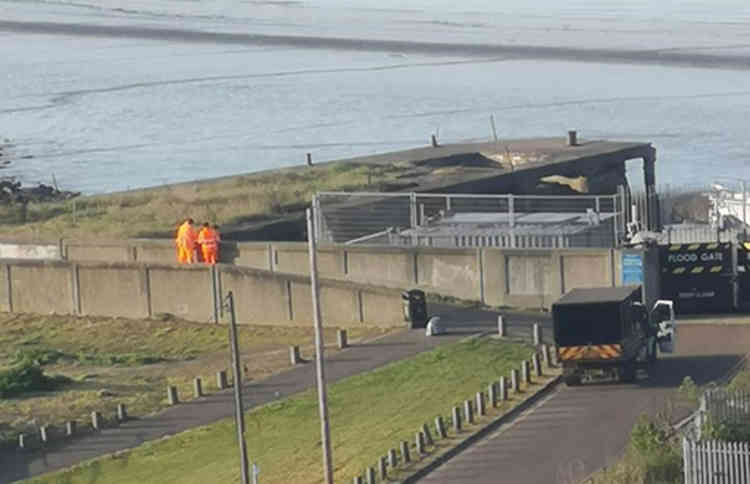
{"x": 716, "y": 462}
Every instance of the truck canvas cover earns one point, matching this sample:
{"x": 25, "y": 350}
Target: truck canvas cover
{"x": 592, "y": 316}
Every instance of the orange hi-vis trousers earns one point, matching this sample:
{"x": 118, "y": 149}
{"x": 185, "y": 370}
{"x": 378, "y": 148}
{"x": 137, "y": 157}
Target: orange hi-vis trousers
{"x": 210, "y": 253}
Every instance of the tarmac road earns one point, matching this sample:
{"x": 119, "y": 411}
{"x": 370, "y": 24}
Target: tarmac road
{"x": 575, "y": 431}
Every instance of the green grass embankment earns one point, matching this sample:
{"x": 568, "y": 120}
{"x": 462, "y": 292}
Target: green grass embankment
{"x": 155, "y": 212}
{"x": 369, "y": 414}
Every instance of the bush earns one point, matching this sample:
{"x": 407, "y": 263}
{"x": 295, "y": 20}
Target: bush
{"x": 658, "y": 455}
{"x": 737, "y": 431}
{"x": 27, "y": 377}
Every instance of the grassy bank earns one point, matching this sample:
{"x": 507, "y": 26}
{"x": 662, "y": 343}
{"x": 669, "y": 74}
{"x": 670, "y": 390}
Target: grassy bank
{"x": 155, "y": 212}
{"x": 370, "y": 413}
{"x": 107, "y": 361}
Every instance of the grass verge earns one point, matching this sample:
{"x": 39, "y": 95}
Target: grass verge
{"x": 156, "y": 212}
{"x": 106, "y": 361}
{"x": 370, "y": 413}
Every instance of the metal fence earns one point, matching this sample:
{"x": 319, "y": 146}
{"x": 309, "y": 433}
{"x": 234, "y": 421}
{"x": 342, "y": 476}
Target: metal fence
{"x": 726, "y": 406}
{"x": 498, "y": 220}
{"x": 716, "y": 462}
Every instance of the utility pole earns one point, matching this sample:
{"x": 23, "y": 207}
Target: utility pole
{"x": 321, "y": 379}
{"x": 239, "y": 416}
{"x": 744, "y": 212}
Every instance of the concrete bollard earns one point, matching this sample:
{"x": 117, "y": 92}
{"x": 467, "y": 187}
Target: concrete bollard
{"x": 500, "y": 327}
{"x": 383, "y": 467}
{"x": 70, "y": 428}
{"x": 492, "y": 394}
{"x": 419, "y": 441}
{"x": 427, "y": 434}
{"x": 221, "y": 379}
{"x": 197, "y": 387}
{"x": 392, "y": 458}
{"x": 294, "y": 356}
{"x": 525, "y": 373}
{"x": 469, "y": 412}
{"x": 405, "y": 452}
{"x": 122, "y": 412}
{"x": 515, "y": 385}
{"x": 545, "y": 356}
{"x": 536, "y": 364}
{"x": 21, "y": 441}
{"x": 342, "y": 339}
{"x": 358, "y": 480}
{"x": 536, "y": 332}
{"x": 440, "y": 428}
{"x": 172, "y": 397}
{"x": 502, "y": 388}
{"x": 456, "y": 415}
{"x": 96, "y": 420}
{"x": 44, "y": 434}
{"x": 553, "y": 357}
{"x": 370, "y": 475}
{"x": 481, "y": 410}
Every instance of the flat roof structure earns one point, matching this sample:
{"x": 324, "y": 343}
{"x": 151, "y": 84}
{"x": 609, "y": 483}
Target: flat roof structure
{"x": 597, "y": 295}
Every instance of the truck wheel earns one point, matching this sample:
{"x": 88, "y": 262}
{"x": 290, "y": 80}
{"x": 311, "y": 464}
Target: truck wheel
{"x": 627, "y": 373}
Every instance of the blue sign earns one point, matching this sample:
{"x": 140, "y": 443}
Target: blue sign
{"x": 632, "y": 269}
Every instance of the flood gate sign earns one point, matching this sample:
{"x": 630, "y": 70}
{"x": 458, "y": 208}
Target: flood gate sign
{"x": 632, "y": 269}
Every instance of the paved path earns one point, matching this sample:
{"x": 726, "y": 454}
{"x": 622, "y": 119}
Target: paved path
{"x": 576, "y": 431}
{"x": 360, "y": 358}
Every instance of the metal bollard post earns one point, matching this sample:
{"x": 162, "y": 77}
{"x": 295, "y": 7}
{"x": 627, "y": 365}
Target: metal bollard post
{"x": 172, "y": 397}
{"x": 370, "y": 475}
{"x": 405, "y": 452}
{"x": 419, "y": 440}
{"x": 480, "y": 405}
{"x": 392, "y": 458}
{"x": 197, "y": 387}
{"x": 358, "y": 480}
{"x": 525, "y": 373}
{"x": 500, "y": 326}
{"x": 456, "y": 414}
{"x": 343, "y": 340}
{"x": 96, "y": 420}
{"x": 44, "y": 434}
{"x": 294, "y": 355}
{"x": 383, "y": 465}
{"x": 553, "y": 357}
{"x": 469, "y": 412}
{"x": 440, "y": 428}
{"x": 536, "y": 364}
{"x": 492, "y": 394}
{"x": 545, "y": 356}
{"x": 70, "y": 428}
{"x": 427, "y": 434}
{"x": 502, "y": 387}
{"x": 514, "y": 383}
{"x": 21, "y": 441}
{"x": 537, "y": 334}
{"x": 122, "y": 412}
{"x": 221, "y": 379}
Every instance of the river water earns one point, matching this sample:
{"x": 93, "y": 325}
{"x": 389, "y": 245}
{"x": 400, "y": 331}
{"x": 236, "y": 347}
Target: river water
{"x": 109, "y": 95}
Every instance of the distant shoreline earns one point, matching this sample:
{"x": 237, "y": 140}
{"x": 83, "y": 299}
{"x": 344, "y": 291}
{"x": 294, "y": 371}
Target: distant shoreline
{"x": 664, "y": 57}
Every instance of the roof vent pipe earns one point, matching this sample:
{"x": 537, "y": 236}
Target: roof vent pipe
{"x": 572, "y": 138}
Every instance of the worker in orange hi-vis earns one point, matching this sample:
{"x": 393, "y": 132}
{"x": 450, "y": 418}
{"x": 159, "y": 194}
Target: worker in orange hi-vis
{"x": 186, "y": 242}
{"x": 208, "y": 239}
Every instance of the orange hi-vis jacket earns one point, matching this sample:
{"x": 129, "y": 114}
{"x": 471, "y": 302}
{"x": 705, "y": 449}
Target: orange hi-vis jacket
{"x": 208, "y": 238}
{"x": 186, "y": 236}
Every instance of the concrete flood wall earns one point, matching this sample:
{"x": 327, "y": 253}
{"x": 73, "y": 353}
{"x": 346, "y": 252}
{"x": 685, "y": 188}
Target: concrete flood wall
{"x": 138, "y": 290}
{"x": 20, "y": 250}
{"x": 533, "y": 277}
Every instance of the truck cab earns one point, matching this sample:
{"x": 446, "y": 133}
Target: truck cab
{"x": 607, "y": 333}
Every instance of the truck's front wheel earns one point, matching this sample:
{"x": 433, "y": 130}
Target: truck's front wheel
{"x": 627, "y": 373}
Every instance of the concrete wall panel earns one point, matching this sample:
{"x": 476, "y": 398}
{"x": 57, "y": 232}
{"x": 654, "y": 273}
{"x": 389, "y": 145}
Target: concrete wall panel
{"x": 253, "y": 255}
{"x": 528, "y": 275}
{"x": 10, "y": 250}
{"x": 43, "y": 287}
{"x": 388, "y": 266}
{"x": 259, "y": 297}
{"x": 494, "y": 276}
{"x": 4, "y": 288}
{"x": 383, "y": 308}
{"x": 161, "y": 252}
{"x": 113, "y": 290}
{"x": 182, "y": 291}
{"x": 589, "y": 270}
{"x": 291, "y": 259}
{"x": 450, "y": 272}
{"x": 302, "y": 309}
{"x": 104, "y": 253}
{"x": 339, "y": 306}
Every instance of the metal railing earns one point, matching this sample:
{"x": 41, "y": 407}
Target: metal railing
{"x": 402, "y": 219}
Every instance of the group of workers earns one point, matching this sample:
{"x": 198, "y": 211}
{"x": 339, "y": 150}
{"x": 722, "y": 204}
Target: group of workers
{"x": 192, "y": 244}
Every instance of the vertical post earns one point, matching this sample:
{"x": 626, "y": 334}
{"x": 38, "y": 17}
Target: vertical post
{"x": 215, "y": 293}
{"x": 447, "y": 204}
{"x": 44, "y": 434}
{"x": 342, "y": 339}
{"x": 96, "y": 420}
{"x": 370, "y": 474}
{"x": 744, "y": 212}
{"x": 427, "y": 434}
{"x": 383, "y": 467}
{"x": 440, "y": 428}
{"x": 469, "y": 411}
{"x": 456, "y": 416}
{"x": 9, "y": 288}
{"x": 514, "y": 384}
{"x": 503, "y": 387}
{"x": 197, "y": 388}
{"x": 419, "y": 441}
{"x": 322, "y": 399}
{"x": 546, "y": 356}
{"x": 405, "y": 452}
{"x": 221, "y": 380}
{"x": 500, "y": 326}
{"x": 413, "y": 209}
{"x": 172, "y": 395}
{"x": 70, "y": 428}
{"x": 308, "y": 158}
{"x": 511, "y": 210}
{"x": 525, "y": 373}
{"x": 537, "y": 334}
{"x": 239, "y": 416}
{"x": 536, "y": 364}
{"x": 122, "y": 412}
{"x": 492, "y": 394}
{"x": 392, "y": 458}
{"x": 481, "y": 410}
{"x": 421, "y": 220}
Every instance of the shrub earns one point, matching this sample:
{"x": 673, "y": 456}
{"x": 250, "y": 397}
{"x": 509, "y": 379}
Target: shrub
{"x": 658, "y": 455}
{"x": 27, "y": 377}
